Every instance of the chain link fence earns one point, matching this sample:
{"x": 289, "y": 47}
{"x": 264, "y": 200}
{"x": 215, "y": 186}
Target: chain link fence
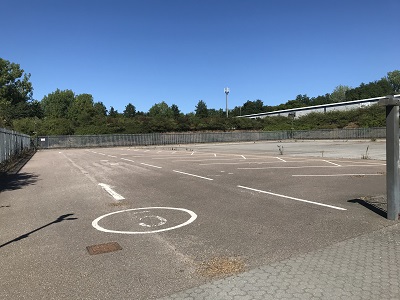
{"x": 148, "y": 139}
{"x": 12, "y": 143}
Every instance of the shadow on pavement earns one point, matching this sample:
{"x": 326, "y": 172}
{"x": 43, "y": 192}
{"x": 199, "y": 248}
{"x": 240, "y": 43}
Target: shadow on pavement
{"x": 10, "y": 182}
{"x": 65, "y": 217}
{"x": 375, "y": 206}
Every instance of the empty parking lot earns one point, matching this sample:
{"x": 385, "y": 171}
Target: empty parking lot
{"x": 175, "y": 211}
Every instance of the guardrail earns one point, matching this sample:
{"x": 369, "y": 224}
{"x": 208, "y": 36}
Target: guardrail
{"x": 12, "y": 143}
{"x": 112, "y": 140}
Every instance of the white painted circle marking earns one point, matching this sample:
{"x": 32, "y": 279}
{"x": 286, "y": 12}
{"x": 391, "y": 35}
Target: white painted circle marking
{"x": 161, "y": 221}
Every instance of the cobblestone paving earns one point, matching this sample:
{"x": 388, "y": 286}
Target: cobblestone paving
{"x": 365, "y": 267}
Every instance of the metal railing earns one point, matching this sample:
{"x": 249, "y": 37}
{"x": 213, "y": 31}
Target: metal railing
{"x": 12, "y": 143}
{"x": 148, "y": 139}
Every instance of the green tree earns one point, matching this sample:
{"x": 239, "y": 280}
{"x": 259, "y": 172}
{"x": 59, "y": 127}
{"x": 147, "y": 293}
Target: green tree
{"x": 82, "y": 111}
{"x": 113, "y": 112}
{"x": 100, "y": 109}
{"x": 394, "y": 80}
{"x": 201, "y": 109}
{"x": 15, "y": 91}
{"x": 373, "y": 89}
{"x": 339, "y": 93}
{"x": 161, "y": 110}
{"x": 130, "y": 111}
{"x": 57, "y": 104}
{"x": 302, "y": 100}
{"x": 252, "y": 107}
{"x": 56, "y": 126}
{"x": 175, "y": 111}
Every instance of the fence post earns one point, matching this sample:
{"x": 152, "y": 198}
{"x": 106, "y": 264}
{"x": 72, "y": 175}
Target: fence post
{"x": 392, "y": 156}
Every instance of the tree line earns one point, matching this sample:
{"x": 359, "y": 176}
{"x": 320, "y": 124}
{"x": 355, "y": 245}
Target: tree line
{"x": 63, "y": 112}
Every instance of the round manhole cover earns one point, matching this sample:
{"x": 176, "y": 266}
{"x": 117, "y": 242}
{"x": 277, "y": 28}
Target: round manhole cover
{"x": 144, "y": 220}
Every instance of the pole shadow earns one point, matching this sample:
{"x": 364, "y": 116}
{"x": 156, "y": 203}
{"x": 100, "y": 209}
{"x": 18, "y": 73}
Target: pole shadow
{"x": 66, "y": 217}
{"x": 373, "y": 205}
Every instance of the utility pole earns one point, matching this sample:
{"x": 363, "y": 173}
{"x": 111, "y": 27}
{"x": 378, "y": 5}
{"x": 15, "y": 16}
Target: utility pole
{"x": 392, "y": 156}
{"x": 226, "y": 90}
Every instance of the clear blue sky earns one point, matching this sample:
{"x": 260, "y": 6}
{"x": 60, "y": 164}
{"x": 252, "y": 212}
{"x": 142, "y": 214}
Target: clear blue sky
{"x": 180, "y": 51}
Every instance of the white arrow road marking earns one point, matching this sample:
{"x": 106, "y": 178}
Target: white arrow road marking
{"x": 109, "y": 190}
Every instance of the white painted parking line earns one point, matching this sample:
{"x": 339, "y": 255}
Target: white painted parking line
{"x": 337, "y": 175}
{"x": 291, "y": 198}
{"x": 101, "y": 153}
{"x": 329, "y": 162}
{"x": 192, "y": 153}
{"x": 109, "y": 190}
{"x": 302, "y": 167}
{"x": 368, "y": 165}
{"x": 127, "y": 159}
{"x": 211, "y": 159}
{"x": 151, "y": 166}
{"x": 112, "y": 156}
{"x": 192, "y": 175}
{"x": 280, "y": 159}
{"x": 233, "y": 163}
{"x": 243, "y": 156}
{"x": 215, "y": 154}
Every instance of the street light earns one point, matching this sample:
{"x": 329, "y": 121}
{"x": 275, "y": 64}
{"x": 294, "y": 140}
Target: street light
{"x": 226, "y": 90}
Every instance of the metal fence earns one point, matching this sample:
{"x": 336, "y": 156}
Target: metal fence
{"x": 12, "y": 143}
{"x": 112, "y": 140}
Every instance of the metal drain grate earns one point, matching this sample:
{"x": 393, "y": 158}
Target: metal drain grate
{"x": 103, "y": 248}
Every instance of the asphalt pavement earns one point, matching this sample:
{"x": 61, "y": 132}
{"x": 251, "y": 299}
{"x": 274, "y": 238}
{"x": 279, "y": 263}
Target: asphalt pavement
{"x": 225, "y": 221}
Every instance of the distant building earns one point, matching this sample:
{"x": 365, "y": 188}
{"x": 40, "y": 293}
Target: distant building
{"x": 302, "y": 111}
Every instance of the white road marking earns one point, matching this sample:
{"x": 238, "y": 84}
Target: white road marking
{"x": 192, "y": 153}
{"x": 192, "y": 175}
{"x": 215, "y": 154}
{"x": 292, "y": 198}
{"x": 161, "y": 221}
{"x": 331, "y": 163}
{"x": 306, "y": 167}
{"x": 243, "y": 156}
{"x": 193, "y": 217}
{"x": 127, "y": 159}
{"x": 303, "y": 167}
{"x": 109, "y": 190}
{"x": 281, "y": 159}
{"x": 101, "y": 153}
{"x": 337, "y": 175}
{"x": 368, "y": 165}
{"x": 112, "y": 156}
{"x": 151, "y": 166}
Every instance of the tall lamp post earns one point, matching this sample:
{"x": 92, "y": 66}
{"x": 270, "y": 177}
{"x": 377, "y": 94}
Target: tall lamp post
{"x": 226, "y": 90}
